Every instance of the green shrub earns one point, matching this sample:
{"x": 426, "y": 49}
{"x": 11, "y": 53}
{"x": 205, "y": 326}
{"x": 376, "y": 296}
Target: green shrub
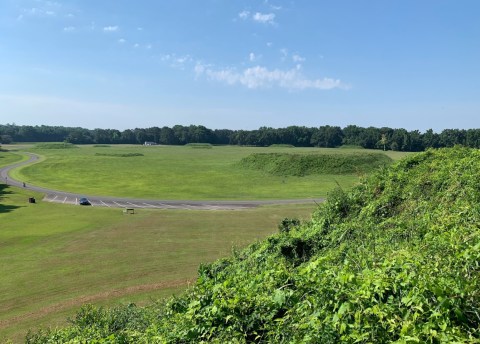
{"x": 55, "y": 145}
{"x": 119, "y": 155}
{"x": 282, "y": 145}
{"x": 200, "y": 145}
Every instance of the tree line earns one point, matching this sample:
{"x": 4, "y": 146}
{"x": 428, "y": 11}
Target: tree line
{"x": 324, "y": 136}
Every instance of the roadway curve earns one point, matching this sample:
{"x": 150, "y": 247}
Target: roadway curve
{"x": 119, "y": 202}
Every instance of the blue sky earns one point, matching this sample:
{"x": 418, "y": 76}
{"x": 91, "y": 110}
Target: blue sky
{"x": 240, "y": 64}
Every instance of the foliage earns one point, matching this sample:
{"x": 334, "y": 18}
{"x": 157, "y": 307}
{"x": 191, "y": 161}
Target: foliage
{"x": 396, "y": 259}
{"x": 55, "y": 145}
{"x": 322, "y": 136}
{"x": 287, "y": 164}
{"x": 288, "y": 224}
{"x": 200, "y": 145}
{"x": 282, "y": 145}
{"x": 119, "y": 155}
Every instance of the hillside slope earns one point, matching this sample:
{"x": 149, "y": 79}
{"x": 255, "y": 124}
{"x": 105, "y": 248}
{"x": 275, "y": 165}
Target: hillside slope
{"x": 396, "y": 259}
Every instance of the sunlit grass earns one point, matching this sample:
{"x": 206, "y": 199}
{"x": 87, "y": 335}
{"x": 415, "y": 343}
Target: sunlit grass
{"x": 55, "y": 257}
{"x": 173, "y": 172}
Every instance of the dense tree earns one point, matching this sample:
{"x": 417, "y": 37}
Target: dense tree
{"x": 430, "y": 139}
{"x": 327, "y": 136}
{"x": 167, "y": 136}
{"x": 323, "y": 136}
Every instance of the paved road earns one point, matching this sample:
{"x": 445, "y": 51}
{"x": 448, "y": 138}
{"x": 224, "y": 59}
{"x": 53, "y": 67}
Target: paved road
{"x": 118, "y": 202}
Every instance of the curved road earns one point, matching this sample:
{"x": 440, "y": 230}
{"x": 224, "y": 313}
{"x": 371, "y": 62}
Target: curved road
{"x": 119, "y": 202}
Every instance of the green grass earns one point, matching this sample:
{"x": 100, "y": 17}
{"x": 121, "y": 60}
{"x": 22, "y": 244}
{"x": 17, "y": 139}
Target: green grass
{"x": 393, "y": 260}
{"x": 7, "y": 158}
{"x": 285, "y": 164}
{"x": 55, "y": 145}
{"x": 174, "y": 172}
{"x": 56, "y": 257}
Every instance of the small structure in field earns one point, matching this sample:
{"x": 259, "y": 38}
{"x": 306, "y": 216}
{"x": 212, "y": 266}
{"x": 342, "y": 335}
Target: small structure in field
{"x": 148, "y": 143}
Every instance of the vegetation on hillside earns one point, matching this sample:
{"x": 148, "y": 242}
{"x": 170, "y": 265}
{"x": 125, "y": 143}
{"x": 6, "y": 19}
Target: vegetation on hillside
{"x": 396, "y": 259}
{"x": 286, "y": 164}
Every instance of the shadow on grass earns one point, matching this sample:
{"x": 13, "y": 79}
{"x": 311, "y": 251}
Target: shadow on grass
{"x": 5, "y": 208}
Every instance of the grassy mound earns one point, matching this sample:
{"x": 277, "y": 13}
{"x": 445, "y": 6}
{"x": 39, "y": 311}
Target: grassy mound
{"x": 200, "y": 145}
{"x": 281, "y": 145}
{"x": 287, "y": 164}
{"x": 119, "y": 155}
{"x": 397, "y": 259}
{"x": 55, "y": 145}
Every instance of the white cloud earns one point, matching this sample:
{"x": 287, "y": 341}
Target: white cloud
{"x": 261, "y": 77}
{"x": 269, "y": 44}
{"x": 273, "y": 7}
{"x": 43, "y": 9}
{"x": 244, "y": 15}
{"x": 110, "y": 28}
{"x": 136, "y": 45}
{"x": 122, "y": 41}
{"x": 297, "y": 58}
{"x": 37, "y": 12}
{"x": 264, "y": 18}
{"x": 176, "y": 61}
{"x": 251, "y": 57}
{"x": 69, "y": 29}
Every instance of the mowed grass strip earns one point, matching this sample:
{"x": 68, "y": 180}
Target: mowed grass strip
{"x": 177, "y": 172}
{"x": 56, "y": 257}
{"x": 7, "y": 158}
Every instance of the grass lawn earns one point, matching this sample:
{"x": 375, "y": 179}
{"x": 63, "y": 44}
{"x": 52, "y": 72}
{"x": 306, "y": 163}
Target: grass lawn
{"x": 176, "y": 172}
{"x": 56, "y": 257}
{"x": 7, "y": 158}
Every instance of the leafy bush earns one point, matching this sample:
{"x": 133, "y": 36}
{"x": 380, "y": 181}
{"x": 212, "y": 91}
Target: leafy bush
{"x": 394, "y": 260}
{"x": 282, "y": 145}
{"x": 200, "y": 145}
{"x": 288, "y": 224}
{"x": 119, "y": 155}
{"x": 55, "y": 145}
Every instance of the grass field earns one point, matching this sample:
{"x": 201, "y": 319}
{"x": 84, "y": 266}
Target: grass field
{"x": 176, "y": 172}
{"x": 7, "y": 158}
{"x": 55, "y": 257}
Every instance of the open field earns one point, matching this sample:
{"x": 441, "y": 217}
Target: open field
{"x": 56, "y": 257}
{"x": 176, "y": 172}
{"x": 7, "y": 158}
